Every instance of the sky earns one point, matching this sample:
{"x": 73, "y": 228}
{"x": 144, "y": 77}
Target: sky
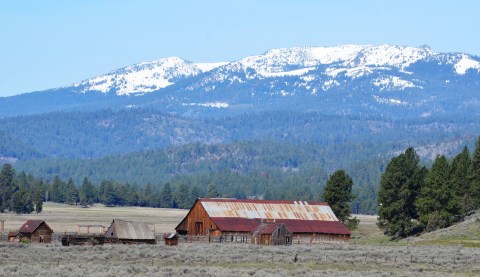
{"x": 47, "y": 44}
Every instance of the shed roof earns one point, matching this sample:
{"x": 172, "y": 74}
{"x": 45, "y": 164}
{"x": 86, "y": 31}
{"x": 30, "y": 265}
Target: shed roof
{"x": 131, "y": 230}
{"x": 268, "y": 209}
{"x": 31, "y": 226}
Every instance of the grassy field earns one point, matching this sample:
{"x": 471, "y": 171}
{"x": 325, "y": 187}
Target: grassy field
{"x": 65, "y": 218}
{"x": 369, "y": 253}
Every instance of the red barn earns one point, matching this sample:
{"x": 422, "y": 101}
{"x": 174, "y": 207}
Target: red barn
{"x": 299, "y": 222}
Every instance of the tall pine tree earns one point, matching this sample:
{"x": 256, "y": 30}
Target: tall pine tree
{"x": 461, "y": 182}
{"x": 7, "y": 187}
{"x": 475, "y": 176}
{"x": 399, "y": 188}
{"x": 437, "y": 205}
{"x": 338, "y": 194}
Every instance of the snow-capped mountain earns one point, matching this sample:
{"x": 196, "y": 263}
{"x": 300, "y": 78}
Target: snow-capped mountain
{"x": 344, "y": 79}
{"x": 146, "y": 76}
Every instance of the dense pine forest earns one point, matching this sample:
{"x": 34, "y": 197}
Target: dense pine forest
{"x": 428, "y": 197}
{"x": 273, "y": 154}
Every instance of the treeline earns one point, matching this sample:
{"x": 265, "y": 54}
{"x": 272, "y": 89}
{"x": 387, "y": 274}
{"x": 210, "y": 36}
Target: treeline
{"x": 20, "y": 193}
{"x": 414, "y": 199}
{"x": 182, "y": 191}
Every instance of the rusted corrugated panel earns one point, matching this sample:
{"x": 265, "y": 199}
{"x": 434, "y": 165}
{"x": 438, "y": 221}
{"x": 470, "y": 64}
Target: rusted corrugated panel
{"x": 233, "y": 224}
{"x": 265, "y": 209}
{"x": 313, "y": 226}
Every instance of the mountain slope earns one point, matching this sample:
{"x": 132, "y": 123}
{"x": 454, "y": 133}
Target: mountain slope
{"x": 349, "y": 79}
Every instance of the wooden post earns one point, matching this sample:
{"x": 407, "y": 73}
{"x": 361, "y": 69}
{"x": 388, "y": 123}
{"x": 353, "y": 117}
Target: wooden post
{"x": 88, "y": 229}
{"x": 2, "y": 225}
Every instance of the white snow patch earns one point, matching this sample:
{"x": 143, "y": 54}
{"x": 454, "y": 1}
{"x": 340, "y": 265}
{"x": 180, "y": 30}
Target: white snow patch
{"x": 329, "y": 84}
{"x": 393, "y": 82}
{"x": 142, "y": 77}
{"x": 466, "y": 63}
{"x": 217, "y": 105}
{"x": 297, "y": 72}
{"x": 205, "y": 67}
{"x": 389, "y": 101}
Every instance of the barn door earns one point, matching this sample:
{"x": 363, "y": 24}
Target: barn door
{"x": 198, "y": 228}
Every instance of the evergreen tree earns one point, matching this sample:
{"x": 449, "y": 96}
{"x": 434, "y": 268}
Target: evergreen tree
{"x": 182, "y": 196}
{"x": 461, "y": 183}
{"x": 147, "y": 196}
{"x": 38, "y": 196}
{"x": 437, "y": 205}
{"x": 338, "y": 194}
{"x": 18, "y": 205}
{"x": 58, "y": 190}
{"x": 87, "y": 193}
{"x": 212, "y": 191}
{"x": 7, "y": 186}
{"x": 71, "y": 193}
{"x": 475, "y": 176}
{"x": 399, "y": 188}
{"x": 195, "y": 194}
{"x": 167, "y": 199}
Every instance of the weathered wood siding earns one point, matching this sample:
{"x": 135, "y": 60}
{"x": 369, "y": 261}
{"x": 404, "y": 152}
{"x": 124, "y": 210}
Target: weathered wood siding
{"x": 42, "y": 234}
{"x": 299, "y": 238}
{"x": 198, "y": 223}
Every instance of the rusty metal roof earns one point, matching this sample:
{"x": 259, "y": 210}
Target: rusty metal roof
{"x": 268, "y": 209}
{"x": 122, "y": 229}
{"x": 230, "y": 224}
{"x": 31, "y": 225}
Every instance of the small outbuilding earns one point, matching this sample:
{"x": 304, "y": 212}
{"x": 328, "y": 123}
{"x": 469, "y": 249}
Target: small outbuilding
{"x": 271, "y": 233}
{"x": 170, "y": 239}
{"x": 36, "y": 231}
{"x": 129, "y": 232}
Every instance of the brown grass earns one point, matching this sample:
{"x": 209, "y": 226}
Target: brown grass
{"x": 65, "y": 218}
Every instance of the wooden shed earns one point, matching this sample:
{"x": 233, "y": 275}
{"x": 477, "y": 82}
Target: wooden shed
{"x": 170, "y": 239}
{"x": 129, "y": 232}
{"x": 271, "y": 233}
{"x": 36, "y": 231}
{"x": 236, "y": 220}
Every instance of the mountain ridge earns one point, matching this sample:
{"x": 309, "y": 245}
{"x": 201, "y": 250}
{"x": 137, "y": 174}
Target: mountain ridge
{"x": 348, "y": 79}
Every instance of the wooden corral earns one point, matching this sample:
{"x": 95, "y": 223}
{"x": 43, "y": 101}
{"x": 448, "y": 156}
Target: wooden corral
{"x": 36, "y": 231}
{"x": 129, "y": 232}
{"x": 261, "y": 222}
{"x": 170, "y": 239}
{"x": 82, "y": 239}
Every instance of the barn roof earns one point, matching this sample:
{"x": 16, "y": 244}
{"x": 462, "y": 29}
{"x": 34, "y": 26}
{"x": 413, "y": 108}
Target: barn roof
{"x": 231, "y": 224}
{"x": 132, "y": 230}
{"x": 31, "y": 226}
{"x": 268, "y": 209}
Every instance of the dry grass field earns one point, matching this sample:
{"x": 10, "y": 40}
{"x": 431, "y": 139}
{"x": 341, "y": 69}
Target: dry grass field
{"x": 65, "y": 218}
{"x": 368, "y": 254}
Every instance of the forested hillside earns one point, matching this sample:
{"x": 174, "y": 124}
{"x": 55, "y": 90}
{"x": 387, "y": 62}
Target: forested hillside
{"x": 287, "y": 154}
{"x": 107, "y": 132}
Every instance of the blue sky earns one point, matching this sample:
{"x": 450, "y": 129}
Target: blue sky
{"x": 47, "y": 44}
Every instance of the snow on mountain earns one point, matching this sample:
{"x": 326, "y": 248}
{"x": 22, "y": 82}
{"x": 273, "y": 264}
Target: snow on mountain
{"x": 145, "y": 76}
{"x": 466, "y": 63}
{"x": 393, "y": 82}
{"x": 319, "y": 68}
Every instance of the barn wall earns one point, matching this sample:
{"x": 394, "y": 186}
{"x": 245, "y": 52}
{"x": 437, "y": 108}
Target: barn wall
{"x": 299, "y": 238}
{"x": 198, "y": 223}
{"x": 42, "y": 232}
